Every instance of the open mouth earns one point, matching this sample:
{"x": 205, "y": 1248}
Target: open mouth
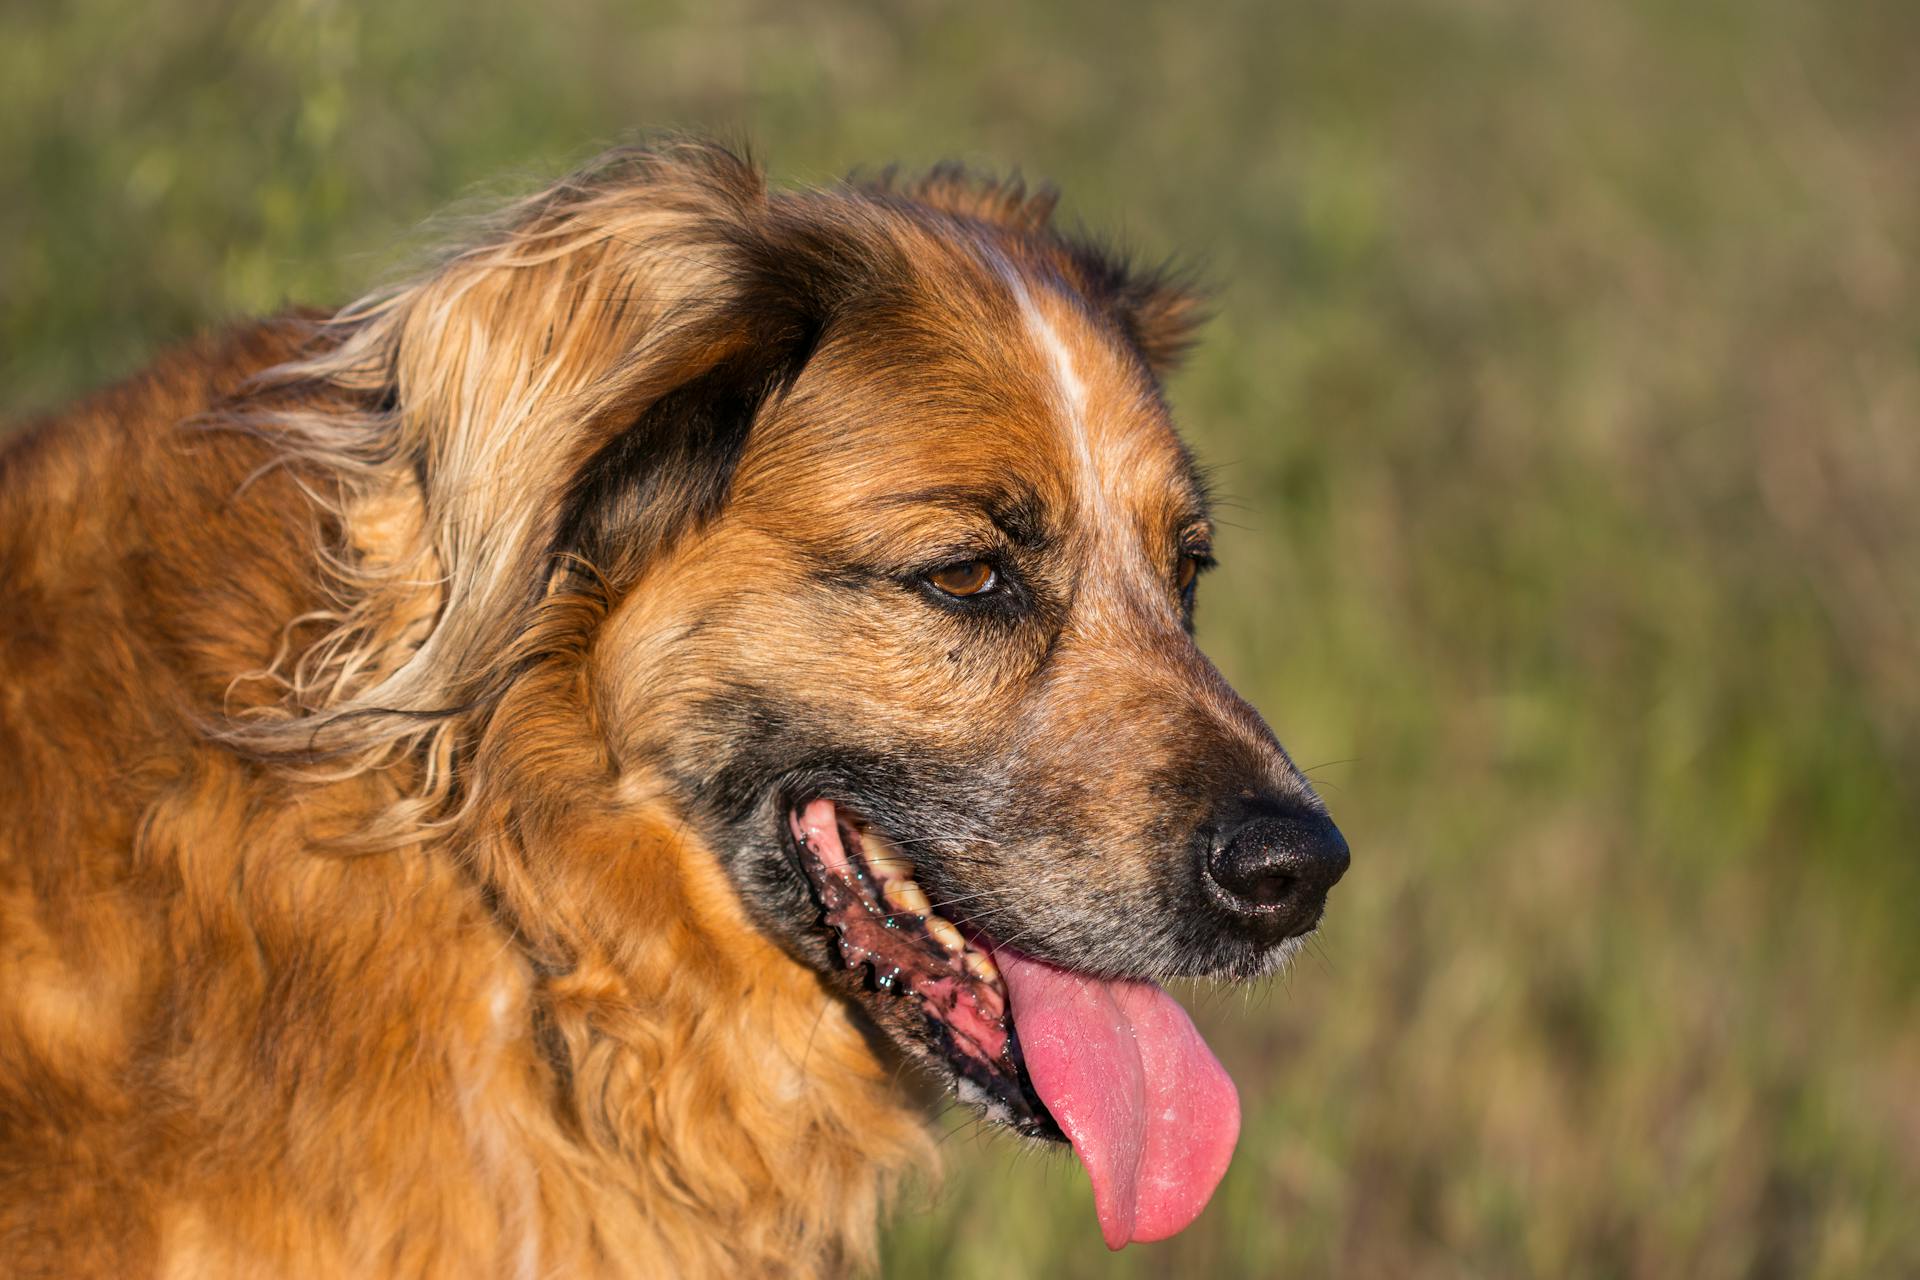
{"x": 1115, "y": 1066}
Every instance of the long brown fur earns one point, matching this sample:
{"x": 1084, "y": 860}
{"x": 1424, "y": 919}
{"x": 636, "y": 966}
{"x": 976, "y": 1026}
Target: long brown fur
{"x": 348, "y": 924}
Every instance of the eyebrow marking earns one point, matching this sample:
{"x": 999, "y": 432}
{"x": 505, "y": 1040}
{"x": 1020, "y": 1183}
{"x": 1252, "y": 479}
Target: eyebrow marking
{"x": 1016, "y": 511}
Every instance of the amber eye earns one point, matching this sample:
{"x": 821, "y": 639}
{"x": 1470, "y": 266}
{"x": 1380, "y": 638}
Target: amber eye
{"x": 1187, "y": 571}
{"x": 969, "y": 579}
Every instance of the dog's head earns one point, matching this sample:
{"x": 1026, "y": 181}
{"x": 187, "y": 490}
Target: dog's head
{"x": 924, "y": 674}
{"x": 904, "y": 550}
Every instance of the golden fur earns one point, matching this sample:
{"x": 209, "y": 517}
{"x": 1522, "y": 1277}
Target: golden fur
{"x": 353, "y": 916}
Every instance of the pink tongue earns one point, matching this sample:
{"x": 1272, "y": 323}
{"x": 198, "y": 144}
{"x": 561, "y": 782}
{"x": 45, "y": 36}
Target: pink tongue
{"x": 1150, "y": 1111}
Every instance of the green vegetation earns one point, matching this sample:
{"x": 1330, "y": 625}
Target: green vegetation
{"x": 1565, "y": 387}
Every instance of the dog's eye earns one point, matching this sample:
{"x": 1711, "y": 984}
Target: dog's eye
{"x": 1193, "y": 561}
{"x": 973, "y": 578}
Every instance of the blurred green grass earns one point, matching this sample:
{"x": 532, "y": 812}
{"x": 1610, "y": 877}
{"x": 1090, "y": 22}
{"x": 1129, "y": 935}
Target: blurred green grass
{"x": 1565, "y": 389}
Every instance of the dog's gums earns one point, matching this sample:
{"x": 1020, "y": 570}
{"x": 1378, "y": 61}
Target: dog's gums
{"x": 1116, "y": 1067}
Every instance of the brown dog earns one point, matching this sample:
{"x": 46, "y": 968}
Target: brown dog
{"x": 490, "y": 779}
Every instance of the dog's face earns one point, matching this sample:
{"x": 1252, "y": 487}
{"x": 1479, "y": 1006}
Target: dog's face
{"x": 927, "y": 682}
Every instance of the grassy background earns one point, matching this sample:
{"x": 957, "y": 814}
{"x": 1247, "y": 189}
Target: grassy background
{"x": 1566, "y": 381}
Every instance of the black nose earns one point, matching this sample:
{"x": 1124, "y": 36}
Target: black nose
{"x": 1273, "y": 866}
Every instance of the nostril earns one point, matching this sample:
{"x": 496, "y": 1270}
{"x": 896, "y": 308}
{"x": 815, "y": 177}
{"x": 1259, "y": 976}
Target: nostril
{"x": 1265, "y": 888}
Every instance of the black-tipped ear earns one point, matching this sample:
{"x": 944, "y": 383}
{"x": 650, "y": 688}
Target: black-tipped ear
{"x": 1162, "y": 316}
{"x": 1159, "y": 310}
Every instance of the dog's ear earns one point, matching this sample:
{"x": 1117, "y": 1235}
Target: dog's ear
{"x": 575, "y": 387}
{"x": 1160, "y": 312}
{"x": 571, "y": 390}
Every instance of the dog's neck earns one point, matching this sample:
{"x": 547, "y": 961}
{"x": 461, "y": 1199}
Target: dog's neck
{"x": 725, "y": 1109}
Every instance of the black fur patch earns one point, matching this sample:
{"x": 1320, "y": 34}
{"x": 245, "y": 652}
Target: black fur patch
{"x": 795, "y": 277}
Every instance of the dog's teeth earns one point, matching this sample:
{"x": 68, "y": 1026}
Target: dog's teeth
{"x": 981, "y": 966}
{"x": 906, "y": 895}
{"x": 886, "y": 863}
{"x": 946, "y": 935}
